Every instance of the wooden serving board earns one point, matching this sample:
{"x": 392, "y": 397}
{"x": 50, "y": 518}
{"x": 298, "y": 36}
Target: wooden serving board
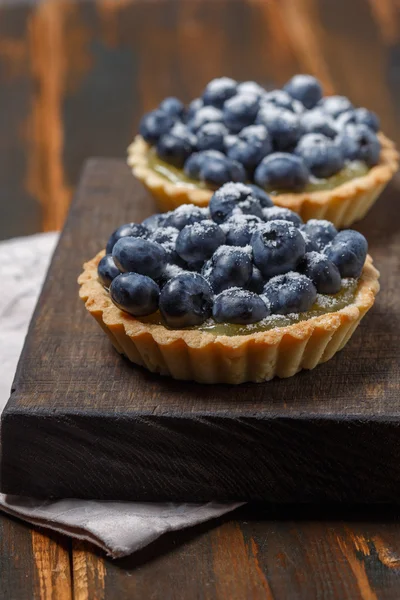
{"x": 83, "y": 422}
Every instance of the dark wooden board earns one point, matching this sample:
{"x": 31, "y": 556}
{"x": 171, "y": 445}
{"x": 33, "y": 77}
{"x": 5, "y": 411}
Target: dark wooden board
{"x": 82, "y": 421}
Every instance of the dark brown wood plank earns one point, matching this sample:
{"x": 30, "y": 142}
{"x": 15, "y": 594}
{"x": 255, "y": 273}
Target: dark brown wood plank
{"x": 266, "y": 553}
{"x": 34, "y": 563}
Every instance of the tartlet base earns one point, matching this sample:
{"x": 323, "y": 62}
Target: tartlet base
{"x": 207, "y": 358}
{"x": 343, "y": 205}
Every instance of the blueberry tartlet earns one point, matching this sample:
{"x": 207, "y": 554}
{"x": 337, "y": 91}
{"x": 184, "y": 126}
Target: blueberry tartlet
{"x": 318, "y": 156}
{"x": 239, "y": 291}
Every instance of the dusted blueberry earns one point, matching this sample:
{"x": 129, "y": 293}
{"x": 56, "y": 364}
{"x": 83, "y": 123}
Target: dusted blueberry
{"x": 231, "y": 196}
{"x": 173, "y": 107}
{"x": 322, "y": 156}
{"x": 186, "y": 214}
{"x": 129, "y": 229}
{"x": 276, "y": 213}
{"x": 239, "y": 306}
{"x": 239, "y": 228}
{"x": 182, "y": 131}
{"x": 219, "y": 90}
{"x": 136, "y": 255}
{"x": 155, "y": 124}
{"x": 250, "y": 87}
{"x": 257, "y": 282}
{"x": 229, "y": 267}
{"x": 240, "y": 111}
{"x": 323, "y": 273}
{"x": 311, "y": 246}
{"x": 335, "y": 105}
{"x": 207, "y": 114}
{"x": 106, "y": 270}
{"x": 199, "y": 241}
{"x": 250, "y": 146}
{"x": 282, "y": 171}
{"x": 358, "y": 142}
{"x": 283, "y": 126}
{"x": 277, "y": 248}
{"x": 348, "y": 251}
{"x": 282, "y": 99}
{"x": 174, "y": 150}
{"x": 290, "y": 293}
{"x": 321, "y": 232}
{"x": 194, "y": 106}
{"x": 358, "y": 116}
{"x": 135, "y": 294}
{"x": 154, "y": 221}
{"x": 305, "y": 88}
{"x": 195, "y": 162}
{"x": 170, "y": 270}
{"x": 262, "y": 196}
{"x": 216, "y": 173}
{"x": 211, "y": 136}
{"x": 186, "y": 301}
{"x": 316, "y": 121}
{"x": 166, "y": 237}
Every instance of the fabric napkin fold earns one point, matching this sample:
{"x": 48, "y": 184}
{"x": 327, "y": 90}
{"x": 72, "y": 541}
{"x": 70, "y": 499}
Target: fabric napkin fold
{"x": 119, "y": 528}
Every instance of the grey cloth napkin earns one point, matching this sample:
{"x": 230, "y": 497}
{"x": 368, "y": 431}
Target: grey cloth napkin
{"x": 120, "y": 528}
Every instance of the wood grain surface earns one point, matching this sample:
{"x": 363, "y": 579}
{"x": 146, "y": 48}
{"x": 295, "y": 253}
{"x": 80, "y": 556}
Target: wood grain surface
{"x": 90, "y": 70}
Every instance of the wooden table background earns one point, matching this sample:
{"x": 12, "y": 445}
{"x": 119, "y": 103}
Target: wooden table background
{"x": 75, "y": 78}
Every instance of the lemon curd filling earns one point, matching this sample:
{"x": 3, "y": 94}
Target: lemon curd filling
{"x": 323, "y": 305}
{"x": 351, "y": 171}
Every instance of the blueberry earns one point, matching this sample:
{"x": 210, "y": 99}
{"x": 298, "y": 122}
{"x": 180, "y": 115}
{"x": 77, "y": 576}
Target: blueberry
{"x": 240, "y": 111}
{"x": 262, "y": 196}
{"x": 304, "y": 88}
{"x": 166, "y": 237}
{"x": 282, "y": 171}
{"x": 250, "y": 87}
{"x": 139, "y": 256}
{"x": 155, "y": 124}
{"x": 186, "y": 214}
{"x": 358, "y": 142}
{"x": 207, "y": 114}
{"x": 198, "y": 242}
{"x": 129, "y": 229}
{"x": 173, "y": 150}
{"x": 277, "y": 213}
{"x": 335, "y": 105}
{"x": 182, "y": 131}
{"x": 290, "y": 293}
{"x": 219, "y": 90}
{"x": 216, "y": 173}
{"x": 154, "y": 222}
{"x": 239, "y": 306}
{"x": 358, "y": 116}
{"x": 250, "y": 146}
{"x": 186, "y": 301}
{"x": 257, "y": 282}
{"x": 348, "y": 251}
{"x": 173, "y": 107}
{"x": 321, "y": 232}
{"x": 211, "y": 136}
{"x": 228, "y": 267}
{"x": 283, "y": 125}
{"x": 106, "y": 270}
{"x": 195, "y": 162}
{"x": 170, "y": 270}
{"x": 194, "y": 106}
{"x": 277, "y": 248}
{"x": 322, "y": 156}
{"x": 239, "y": 228}
{"x": 323, "y": 273}
{"x": 231, "y": 196}
{"x": 135, "y": 294}
{"x": 282, "y": 99}
{"x": 316, "y": 121}
{"x": 311, "y": 246}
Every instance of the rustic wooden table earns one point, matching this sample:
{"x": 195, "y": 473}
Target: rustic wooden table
{"x": 75, "y": 78}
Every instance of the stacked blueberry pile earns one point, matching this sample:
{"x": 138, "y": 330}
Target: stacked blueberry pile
{"x": 280, "y": 139}
{"x": 238, "y": 261}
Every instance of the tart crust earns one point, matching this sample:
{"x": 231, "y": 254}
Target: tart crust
{"x": 208, "y": 358}
{"x": 342, "y": 205}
